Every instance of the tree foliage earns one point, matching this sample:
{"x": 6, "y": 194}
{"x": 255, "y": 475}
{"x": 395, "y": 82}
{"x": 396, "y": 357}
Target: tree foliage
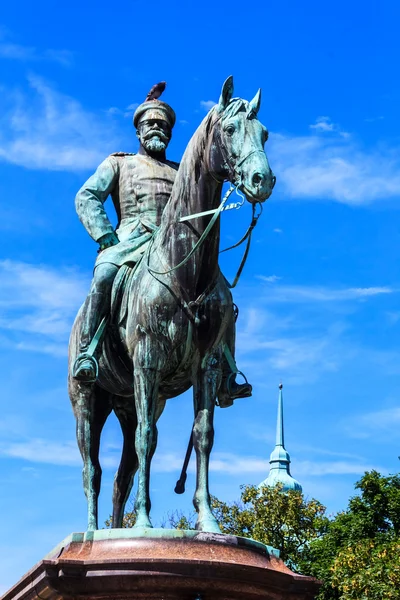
{"x": 369, "y": 569}
{"x": 283, "y": 520}
{"x": 357, "y": 557}
{"x": 356, "y": 553}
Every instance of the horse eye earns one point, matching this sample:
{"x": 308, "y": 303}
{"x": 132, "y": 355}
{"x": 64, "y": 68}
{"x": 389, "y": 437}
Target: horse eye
{"x": 230, "y": 130}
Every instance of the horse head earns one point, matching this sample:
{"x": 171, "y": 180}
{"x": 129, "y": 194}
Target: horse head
{"x": 237, "y": 145}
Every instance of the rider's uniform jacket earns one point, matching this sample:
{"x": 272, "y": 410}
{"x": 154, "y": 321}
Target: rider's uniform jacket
{"x": 140, "y": 187}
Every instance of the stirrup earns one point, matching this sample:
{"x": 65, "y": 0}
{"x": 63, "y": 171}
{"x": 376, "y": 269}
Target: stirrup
{"x": 233, "y": 376}
{"x": 78, "y": 361}
{"x": 227, "y": 397}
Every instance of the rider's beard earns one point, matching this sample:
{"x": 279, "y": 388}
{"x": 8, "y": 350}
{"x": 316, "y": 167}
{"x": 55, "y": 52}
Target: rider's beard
{"x": 155, "y": 144}
{"x": 155, "y": 140}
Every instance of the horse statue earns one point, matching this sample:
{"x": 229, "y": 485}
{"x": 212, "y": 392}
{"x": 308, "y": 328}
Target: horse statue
{"x": 167, "y": 328}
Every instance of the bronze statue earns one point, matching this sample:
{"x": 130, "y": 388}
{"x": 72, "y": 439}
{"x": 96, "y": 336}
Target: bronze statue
{"x": 168, "y": 323}
{"x": 140, "y": 186}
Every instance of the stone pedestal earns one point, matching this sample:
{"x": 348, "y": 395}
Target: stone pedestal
{"x": 161, "y": 564}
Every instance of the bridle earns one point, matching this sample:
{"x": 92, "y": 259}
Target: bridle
{"x": 216, "y": 213}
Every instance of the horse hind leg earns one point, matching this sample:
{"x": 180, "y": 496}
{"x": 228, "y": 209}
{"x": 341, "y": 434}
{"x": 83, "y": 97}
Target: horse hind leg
{"x": 125, "y": 410}
{"x": 91, "y": 406}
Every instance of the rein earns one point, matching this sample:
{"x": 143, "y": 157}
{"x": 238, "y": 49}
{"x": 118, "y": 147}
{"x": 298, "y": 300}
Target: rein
{"x": 247, "y": 236}
{"x": 202, "y": 238}
{"x": 216, "y": 212}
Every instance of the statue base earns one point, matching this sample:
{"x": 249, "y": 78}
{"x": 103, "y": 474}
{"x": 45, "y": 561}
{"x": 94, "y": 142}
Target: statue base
{"x": 161, "y": 564}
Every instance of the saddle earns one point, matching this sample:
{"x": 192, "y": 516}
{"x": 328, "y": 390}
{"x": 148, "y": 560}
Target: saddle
{"x": 119, "y": 300}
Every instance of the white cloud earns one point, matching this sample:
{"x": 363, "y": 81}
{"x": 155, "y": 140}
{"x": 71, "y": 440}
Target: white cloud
{"x": 303, "y": 356}
{"x": 29, "y": 54}
{"x": 393, "y": 317}
{"x": 40, "y": 302}
{"x": 207, "y": 104}
{"x": 303, "y": 333}
{"x": 373, "y": 119}
{"x": 114, "y": 110}
{"x": 315, "y": 469}
{"x": 383, "y": 419}
{"x": 57, "y": 350}
{"x": 52, "y": 452}
{"x": 132, "y": 106}
{"x": 66, "y": 453}
{"x": 44, "y": 451}
{"x": 40, "y": 286}
{"x": 381, "y": 424}
{"x": 302, "y": 293}
{"x": 270, "y": 278}
{"x": 323, "y": 124}
{"x": 335, "y": 168}
{"x": 14, "y": 51}
{"x": 45, "y": 129}
{"x": 234, "y": 464}
{"x": 278, "y": 230}
{"x": 127, "y": 112}
{"x": 39, "y": 450}
{"x": 41, "y": 128}
{"x": 267, "y": 342}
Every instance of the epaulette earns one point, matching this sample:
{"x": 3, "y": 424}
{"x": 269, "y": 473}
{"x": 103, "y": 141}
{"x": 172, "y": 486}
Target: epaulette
{"x": 122, "y": 154}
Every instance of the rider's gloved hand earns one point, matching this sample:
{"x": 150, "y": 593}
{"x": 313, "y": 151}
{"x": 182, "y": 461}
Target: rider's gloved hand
{"x": 108, "y": 240}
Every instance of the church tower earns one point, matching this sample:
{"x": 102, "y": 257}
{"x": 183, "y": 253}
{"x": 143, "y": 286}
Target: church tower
{"x": 279, "y": 471}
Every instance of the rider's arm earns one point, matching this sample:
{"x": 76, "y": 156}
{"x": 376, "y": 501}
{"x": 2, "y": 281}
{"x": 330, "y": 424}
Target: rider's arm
{"x": 91, "y": 197}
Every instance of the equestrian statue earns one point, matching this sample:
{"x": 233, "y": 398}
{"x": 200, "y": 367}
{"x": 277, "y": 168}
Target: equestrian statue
{"x": 159, "y": 317}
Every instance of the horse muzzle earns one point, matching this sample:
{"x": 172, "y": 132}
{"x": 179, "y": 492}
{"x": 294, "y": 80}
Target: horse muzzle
{"x": 256, "y": 179}
{"x": 258, "y": 186}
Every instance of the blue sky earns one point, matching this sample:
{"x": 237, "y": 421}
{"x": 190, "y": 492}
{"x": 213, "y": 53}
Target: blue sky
{"x": 319, "y": 299}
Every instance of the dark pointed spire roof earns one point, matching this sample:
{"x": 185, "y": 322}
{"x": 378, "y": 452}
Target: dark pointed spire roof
{"x": 279, "y": 471}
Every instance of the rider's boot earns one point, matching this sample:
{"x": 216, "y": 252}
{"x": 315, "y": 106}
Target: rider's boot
{"x": 231, "y": 390}
{"x": 96, "y": 307}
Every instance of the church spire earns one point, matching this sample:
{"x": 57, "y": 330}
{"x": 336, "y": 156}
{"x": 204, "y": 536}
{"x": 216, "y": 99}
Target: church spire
{"x": 279, "y": 471}
{"x": 280, "y": 436}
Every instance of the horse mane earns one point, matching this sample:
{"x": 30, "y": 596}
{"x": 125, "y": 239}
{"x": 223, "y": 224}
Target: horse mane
{"x": 192, "y": 162}
{"x": 235, "y": 106}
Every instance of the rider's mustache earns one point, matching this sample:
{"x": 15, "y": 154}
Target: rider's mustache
{"x": 156, "y": 132}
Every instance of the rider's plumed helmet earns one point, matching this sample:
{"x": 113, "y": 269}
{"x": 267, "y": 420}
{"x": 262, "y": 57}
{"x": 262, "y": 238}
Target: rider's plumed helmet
{"x": 154, "y": 109}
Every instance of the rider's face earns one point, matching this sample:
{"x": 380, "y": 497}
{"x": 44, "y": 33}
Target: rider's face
{"x": 154, "y": 134}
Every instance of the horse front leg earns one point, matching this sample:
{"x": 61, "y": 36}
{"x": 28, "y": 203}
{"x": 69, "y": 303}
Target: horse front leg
{"x": 206, "y": 386}
{"x": 146, "y": 383}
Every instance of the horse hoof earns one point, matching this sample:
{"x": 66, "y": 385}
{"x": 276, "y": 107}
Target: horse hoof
{"x": 208, "y": 526}
{"x": 143, "y": 523}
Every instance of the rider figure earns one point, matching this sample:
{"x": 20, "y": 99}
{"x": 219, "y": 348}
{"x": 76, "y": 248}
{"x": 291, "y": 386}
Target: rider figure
{"x": 140, "y": 186}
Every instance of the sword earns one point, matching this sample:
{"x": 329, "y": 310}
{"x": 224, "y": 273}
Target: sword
{"x": 180, "y": 484}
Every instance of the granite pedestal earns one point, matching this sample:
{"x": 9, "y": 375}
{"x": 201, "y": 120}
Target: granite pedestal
{"x": 160, "y": 564}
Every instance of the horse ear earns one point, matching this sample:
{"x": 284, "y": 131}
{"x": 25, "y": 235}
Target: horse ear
{"x": 226, "y": 93}
{"x": 254, "y": 105}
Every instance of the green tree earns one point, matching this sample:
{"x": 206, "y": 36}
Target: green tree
{"x": 283, "y": 520}
{"x": 357, "y": 552}
{"x": 369, "y": 569}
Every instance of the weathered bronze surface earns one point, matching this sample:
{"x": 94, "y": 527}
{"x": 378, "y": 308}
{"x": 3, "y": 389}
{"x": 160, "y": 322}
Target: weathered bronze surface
{"x": 194, "y": 566}
{"x": 171, "y": 316}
